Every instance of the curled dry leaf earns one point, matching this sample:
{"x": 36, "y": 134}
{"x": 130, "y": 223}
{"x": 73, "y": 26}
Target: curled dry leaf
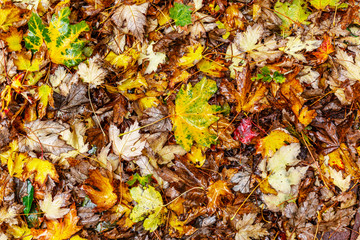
{"x": 102, "y": 194}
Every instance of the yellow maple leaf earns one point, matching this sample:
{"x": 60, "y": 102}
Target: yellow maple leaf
{"x": 45, "y": 96}
{"x": 213, "y": 68}
{"x": 179, "y": 228}
{"x": 20, "y": 231}
{"x": 193, "y": 56}
{"x": 15, "y": 161}
{"x": 13, "y": 39}
{"x": 124, "y": 60}
{"x": 215, "y": 193}
{"x": 42, "y": 169}
{"x": 197, "y": 156}
{"x": 9, "y": 14}
{"x": 24, "y": 62}
{"x": 103, "y": 194}
{"x": 268, "y": 145}
{"x": 59, "y": 230}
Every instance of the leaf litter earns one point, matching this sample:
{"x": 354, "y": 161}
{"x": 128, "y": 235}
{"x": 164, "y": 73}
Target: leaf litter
{"x": 199, "y": 119}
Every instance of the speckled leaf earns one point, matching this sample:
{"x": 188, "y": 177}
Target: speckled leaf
{"x": 37, "y": 33}
{"x": 60, "y": 37}
{"x": 193, "y": 114}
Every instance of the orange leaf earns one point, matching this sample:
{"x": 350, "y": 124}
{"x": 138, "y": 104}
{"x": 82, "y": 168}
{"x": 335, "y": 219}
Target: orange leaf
{"x": 105, "y": 197}
{"x": 335, "y": 160}
{"x": 214, "y": 194}
{"x": 59, "y": 230}
{"x": 324, "y": 50}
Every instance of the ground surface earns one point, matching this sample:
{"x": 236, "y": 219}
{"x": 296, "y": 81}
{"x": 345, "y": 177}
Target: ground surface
{"x": 190, "y": 119}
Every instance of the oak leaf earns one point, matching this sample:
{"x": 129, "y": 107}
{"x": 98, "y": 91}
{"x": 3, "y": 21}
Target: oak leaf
{"x": 103, "y": 194}
{"x": 59, "y": 230}
{"x": 215, "y": 192}
{"x": 193, "y": 115}
{"x": 133, "y": 16}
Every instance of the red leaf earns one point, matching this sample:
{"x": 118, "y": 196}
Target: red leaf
{"x": 243, "y": 132}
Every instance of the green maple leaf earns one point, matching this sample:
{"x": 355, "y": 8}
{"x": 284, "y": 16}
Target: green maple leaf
{"x": 193, "y": 114}
{"x": 291, "y": 13}
{"x": 150, "y": 206}
{"x": 322, "y": 4}
{"x": 60, "y": 37}
{"x": 181, "y": 14}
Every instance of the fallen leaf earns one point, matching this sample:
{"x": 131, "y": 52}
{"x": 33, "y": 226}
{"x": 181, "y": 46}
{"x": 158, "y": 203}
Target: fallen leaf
{"x": 247, "y": 230}
{"x": 52, "y": 207}
{"x": 325, "y": 49}
{"x": 59, "y": 230}
{"x": 190, "y": 124}
{"x": 43, "y": 136}
{"x": 192, "y": 56}
{"x": 61, "y": 38}
{"x": 243, "y": 132}
{"x": 102, "y": 194}
{"x": 154, "y": 58}
{"x": 268, "y": 145}
{"x": 130, "y": 145}
{"x": 181, "y": 14}
{"x": 42, "y": 169}
{"x": 215, "y": 193}
{"x": 291, "y": 13}
{"x": 133, "y": 16}
{"x": 13, "y": 39}
{"x": 149, "y": 206}
{"x": 92, "y": 73}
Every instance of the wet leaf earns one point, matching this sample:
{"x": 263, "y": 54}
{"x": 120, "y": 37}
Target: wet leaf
{"x": 100, "y": 190}
{"x": 190, "y": 124}
{"x": 61, "y": 38}
{"x": 181, "y": 14}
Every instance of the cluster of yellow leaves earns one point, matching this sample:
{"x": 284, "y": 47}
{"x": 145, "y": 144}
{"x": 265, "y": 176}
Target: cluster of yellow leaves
{"x": 22, "y": 166}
